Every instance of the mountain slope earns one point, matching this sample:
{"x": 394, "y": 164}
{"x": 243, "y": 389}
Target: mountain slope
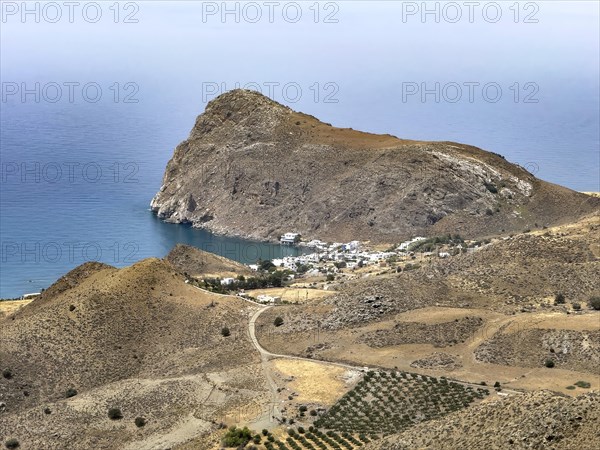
{"x": 136, "y": 338}
{"x": 255, "y": 168}
{"x": 193, "y": 261}
{"x": 538, "y": 420}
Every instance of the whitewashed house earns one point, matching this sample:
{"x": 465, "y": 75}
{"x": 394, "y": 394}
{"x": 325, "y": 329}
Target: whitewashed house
{"x": 290, "y": 238}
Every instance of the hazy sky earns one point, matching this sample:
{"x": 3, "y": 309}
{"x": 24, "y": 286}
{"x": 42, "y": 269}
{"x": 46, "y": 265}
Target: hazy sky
{"x": 365, "y": 55}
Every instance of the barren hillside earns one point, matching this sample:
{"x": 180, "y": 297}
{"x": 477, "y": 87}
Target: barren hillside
{"x": 138, "y": 339}
{"x": 484, "y": 316}
{"x": 539, "y": 420}
{"x": 255, "y": 168}
{"x": 193, "y": 261}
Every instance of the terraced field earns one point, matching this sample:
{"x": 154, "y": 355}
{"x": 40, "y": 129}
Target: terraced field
{"x": 382, "y": 403}
{"x": 315, "y": 439}
{"x": 389, "y": 402}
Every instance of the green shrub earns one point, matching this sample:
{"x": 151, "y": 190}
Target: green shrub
{"x": 265, "y": 432}
{"x": 237, "y": 437}
{"x": 225, "y": 332}
{"x": 12, "y": 443}
{"x": 278, "y": 321}
{"x": 549, "y": 363}
{"x": 559, "y": 299}
{"x": 7, "y": 373}
{"x": 594, "y": 302}
{"x": 115, "y": 414}
{"x": 576, "y": 306}
{"x": 583, "y": 384}
{"x": 140, "y": 422}
{"x": 570, "y": 388}
{"x": 71, "y": 392}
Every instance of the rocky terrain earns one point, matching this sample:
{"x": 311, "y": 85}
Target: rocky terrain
{"x": 537, "y": 420}
{"x": 438, "y": 334}
{"x": 437, "y": 361}
{"x": 255, "y": 168}
{"x": 563, "y": 260}
{"x": 577, "y": 350}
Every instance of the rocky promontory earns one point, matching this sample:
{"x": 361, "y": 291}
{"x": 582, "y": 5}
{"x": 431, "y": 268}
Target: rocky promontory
{"x": 255, "y": 168}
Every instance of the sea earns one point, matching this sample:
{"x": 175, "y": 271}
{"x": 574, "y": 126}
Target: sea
{"x": 91, "y": 111}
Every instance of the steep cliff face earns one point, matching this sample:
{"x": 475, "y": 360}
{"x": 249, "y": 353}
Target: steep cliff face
{"x": 254, "y": 168}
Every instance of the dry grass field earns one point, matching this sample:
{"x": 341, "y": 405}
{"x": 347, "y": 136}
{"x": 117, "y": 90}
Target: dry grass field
{"x": 292, "y": 295}
{"x": 315, "y": 382}
{"x": 10, "y": 306}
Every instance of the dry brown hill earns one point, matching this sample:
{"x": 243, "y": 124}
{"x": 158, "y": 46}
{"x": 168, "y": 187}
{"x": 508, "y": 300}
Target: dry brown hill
{"x": 255, "y": 168}
{"x": 540, "y": 420}
{"x": 525, "y": 271}
{"x": 136, "y": 338}
{"x": 193, "y": 261}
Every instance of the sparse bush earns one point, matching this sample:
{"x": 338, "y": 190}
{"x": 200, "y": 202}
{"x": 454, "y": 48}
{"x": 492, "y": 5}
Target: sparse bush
{"x": 72, "y": 308}
{"x": 594, "y": 302}
{"x": 278, "y": 321}
{"x": 7, "y": 373}
{"x": 225, "y": 332}
{"x": 497, "y": 384}
{"x": 265, "y": 432}
{"x": 47, "y": 410}
{"x": 570, "y": 388}
{"x": 12, "y": 443}
{"x": 576, "y": 306}
{"x": 559, "y": 299}
{"x": 583, "y": 384}
{"x": 140, "y": 422}
{"x": 115, "y": 414}
{"x": 549, "y": 363}
{"x": 302, "y": 408}
{"x": 256, "y": 439}
{"x": 330, "y": 277}
{"x": 71, "y": 392}
{"x": 313, "y": 412}
{"x": 490, "y": 187}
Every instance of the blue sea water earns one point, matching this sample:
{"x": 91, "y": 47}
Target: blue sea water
{"x": 77, "y": 177}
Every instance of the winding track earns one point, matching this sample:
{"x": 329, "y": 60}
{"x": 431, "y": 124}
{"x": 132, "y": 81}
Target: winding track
{"x": 266, "y": 355}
